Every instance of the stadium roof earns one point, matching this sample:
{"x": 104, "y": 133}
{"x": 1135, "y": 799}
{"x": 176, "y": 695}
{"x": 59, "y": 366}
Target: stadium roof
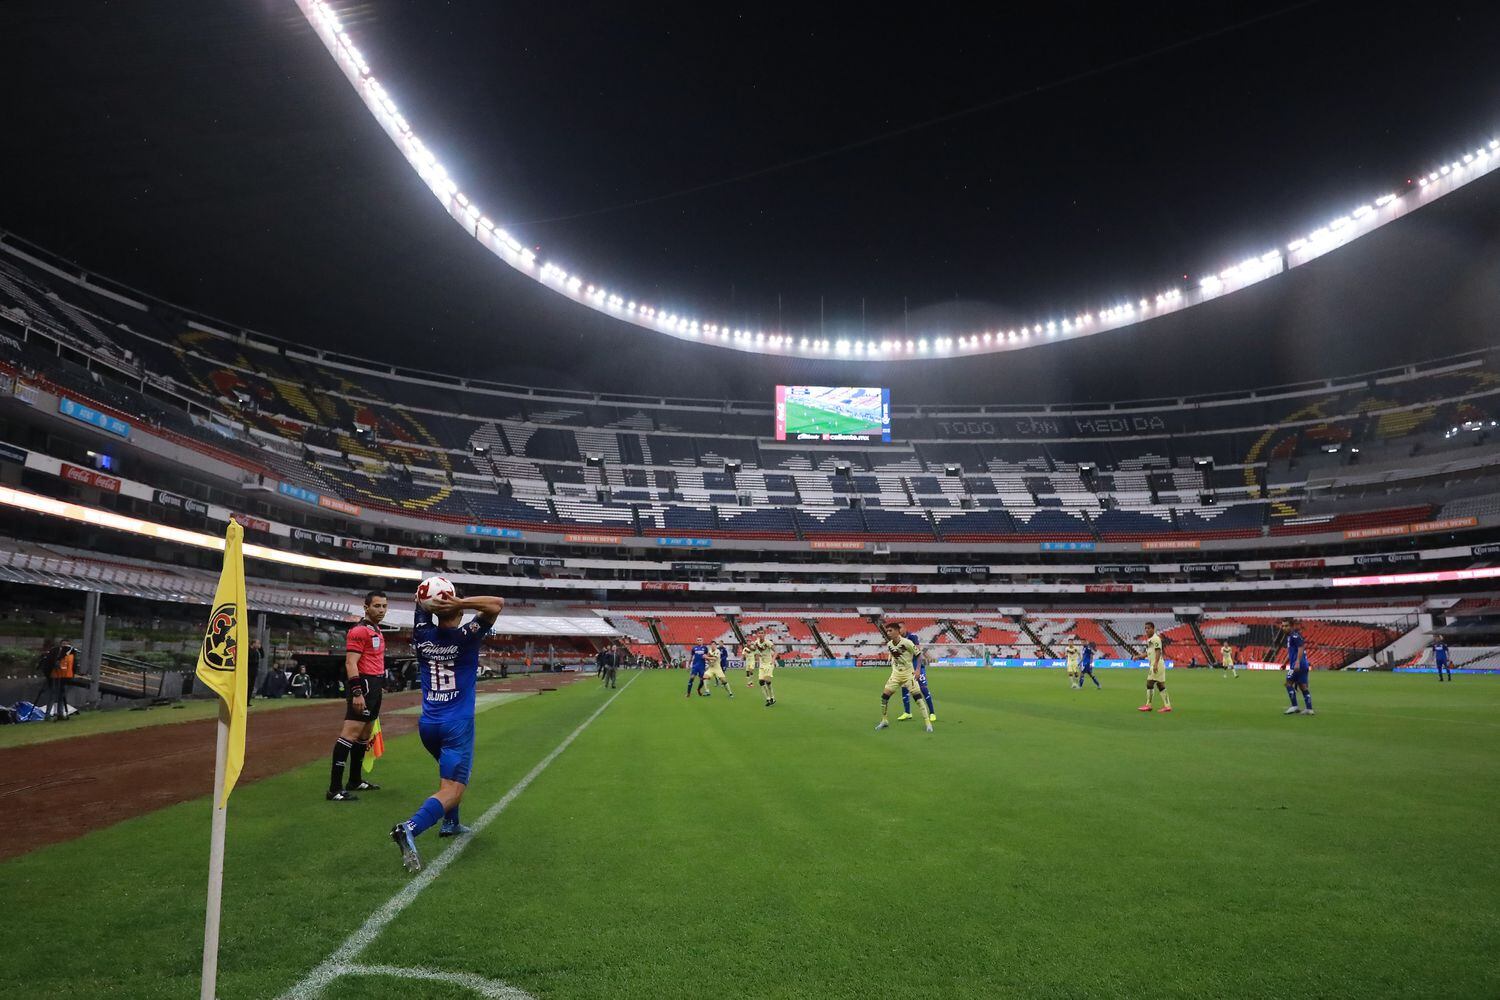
{"x": 215, "y": 157}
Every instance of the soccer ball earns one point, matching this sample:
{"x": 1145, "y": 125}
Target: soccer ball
{"x": 433, "y": 586}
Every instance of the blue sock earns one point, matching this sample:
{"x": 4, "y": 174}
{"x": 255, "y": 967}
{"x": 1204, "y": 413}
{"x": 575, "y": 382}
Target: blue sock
{"x": 1307, "y": 700}
{"x": 906, "y": 700}
{"x": 425, "y": 817}
{"x": 450, "y": 818}
{"x": 930, "y": 709}
{"x": 1291, "y": 693}
{"x": 690, "y": 685}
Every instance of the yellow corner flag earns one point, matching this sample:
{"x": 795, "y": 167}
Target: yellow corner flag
{"x": 221, "y": 662}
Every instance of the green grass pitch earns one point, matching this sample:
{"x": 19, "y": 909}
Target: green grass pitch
{"x": 804, "y": 419}
{"x": 1043, "y": 842}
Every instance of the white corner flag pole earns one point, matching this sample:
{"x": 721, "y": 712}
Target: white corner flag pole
{"x": 215, "y": 865}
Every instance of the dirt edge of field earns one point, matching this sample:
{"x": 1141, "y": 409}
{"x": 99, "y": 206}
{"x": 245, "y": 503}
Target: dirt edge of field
{"x": 62, "y": 789}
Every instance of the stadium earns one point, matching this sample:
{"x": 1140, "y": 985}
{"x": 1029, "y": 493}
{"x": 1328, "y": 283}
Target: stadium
{"x": 318, "y": 449}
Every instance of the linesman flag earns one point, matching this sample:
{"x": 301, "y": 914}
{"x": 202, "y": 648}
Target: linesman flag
{"x": 221, "y": 662}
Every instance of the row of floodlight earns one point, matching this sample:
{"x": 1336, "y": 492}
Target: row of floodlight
{"x": 589, "y": 293}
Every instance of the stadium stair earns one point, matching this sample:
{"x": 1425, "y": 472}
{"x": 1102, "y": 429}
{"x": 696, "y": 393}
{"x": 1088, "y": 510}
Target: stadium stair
{"x": 812, "y": 626}
{"x": 1208, "y": 657}
{"x": 734, "y": 626}
{"x": 949, "y": 629}
{"x": 1036, "y": 640}
{"x": 1119, "y": 640}
{"x": 661, "y": 644}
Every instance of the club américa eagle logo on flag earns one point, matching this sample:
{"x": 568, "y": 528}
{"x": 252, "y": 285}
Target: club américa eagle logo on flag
{"x": 218, "y": 641}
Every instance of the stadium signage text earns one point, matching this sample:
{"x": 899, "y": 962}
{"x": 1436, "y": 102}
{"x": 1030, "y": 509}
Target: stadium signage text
{"x": 1052, "y": 427}
{"x": 684, "y": 543}
{"x": 320, "y": 537}
{"x": 11, "y": 453}
{"x": 361, "y": 545}
{"x": 178, "y": 502}
{"x": 1171, "y": 543}
{"x": 1445, "y": 524}
{"x": 1493, "y": 548}
{"x": 298, "y": 492}
{"x": 342, "y": 506}
{"x": 1068, "y": 546}
{"x": 1108, "y": 588}
{"x": 490, "y": 532}
{"x": 593, "y": 539}
{"x": 413, "y": 553}
{"x": 90, "y": 477}
{"x": 1224, "y": 567}
{"x": 695, "y": 567}
{"x": 893, "y": 588}
{"x": 845, "y": 545}
{"x": 1116, "y": 569}
{"x": 1297, "y": 563}
{"x": 1387, "y": 557}
{"x": 88, "y": 415}
{"x": 543, "y": 561}
{"x": 251, "y": 523}
{"x": 662, "y": 585}
{"x": 964, "y": 570}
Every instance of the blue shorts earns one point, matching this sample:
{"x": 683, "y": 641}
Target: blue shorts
{"x": 451, "y": 745}
{"x": 1297, "y": 677}
{"x": 699, "y": 671}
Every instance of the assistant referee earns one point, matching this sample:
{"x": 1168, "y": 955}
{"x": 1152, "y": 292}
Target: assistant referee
{"x": 364, "y": 683}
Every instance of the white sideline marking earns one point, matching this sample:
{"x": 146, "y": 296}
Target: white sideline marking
{"x": 331, "y": 968}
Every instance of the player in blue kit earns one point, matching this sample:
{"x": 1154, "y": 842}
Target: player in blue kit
{"x": 1087, "y": 666}
{"x": 1297, "y": 669}
{"x": 448, "y": 664}
{"x": 697, "y": 667}
{"x": 1441, "y": 658}
{"x": 920, "y": 662}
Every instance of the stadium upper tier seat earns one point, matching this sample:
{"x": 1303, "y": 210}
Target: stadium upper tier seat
{"x": 487, "y": 453}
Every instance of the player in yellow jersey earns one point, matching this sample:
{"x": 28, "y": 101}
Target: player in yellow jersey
{"x": 903, "y": 674}
{"x": 1156, "y": 671}
{"x": 718, "y": 656}
{"x": 1226, "y": 657}
{"x": 1072, "y": 655}
{"x": 761, "y": 653}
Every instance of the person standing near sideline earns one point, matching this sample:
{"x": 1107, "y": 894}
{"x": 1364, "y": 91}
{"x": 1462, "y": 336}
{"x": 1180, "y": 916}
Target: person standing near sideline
{"x": 364, "y": 679}
{"x": 59, "y": 659}
{"x": 254, "y": 662}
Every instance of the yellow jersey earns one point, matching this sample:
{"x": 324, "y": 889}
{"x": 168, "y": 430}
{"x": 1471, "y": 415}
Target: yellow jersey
{"x": 1226, "y": 655}
{"x": 1153, "y": 650}
{"x": 902, "y": 652}
{"x": 1072, "y": 654}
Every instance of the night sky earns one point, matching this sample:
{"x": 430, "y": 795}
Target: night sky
{"x": 960, "y": 167}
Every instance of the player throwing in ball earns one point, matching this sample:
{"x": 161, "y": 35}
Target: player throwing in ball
{"x": 448, "y": 664}
{"x": 1156, "y": 671}
{"x": 903, "y": 675}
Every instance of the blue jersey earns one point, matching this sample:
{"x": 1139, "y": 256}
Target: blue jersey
{"x": 1440, "y": 652}
{"x": 724, "y": 657}
{"x": 698, "y": 659}
{"x": 1088, "y": 657}
{"x": 919, "y": 664}
{"x": 1293, "y": 647}
{"x": 448, "y": 664}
